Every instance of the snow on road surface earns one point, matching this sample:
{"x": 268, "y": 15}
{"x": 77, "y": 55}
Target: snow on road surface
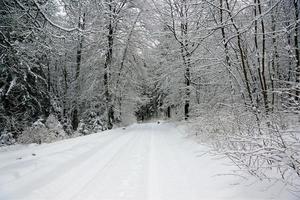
{"x": 143, "y": 162}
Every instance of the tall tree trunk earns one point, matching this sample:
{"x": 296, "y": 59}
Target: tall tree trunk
{"x": 297, "y": 51}
{"x": 66, "y": 88}
{"x": 75, "y": 112}
{"x": 188, "y": 93}
{"x": 275, "y": 59}
{"x": 107, "y": 67}
{"x": 261, "y": 70}
{"x": 186, "y": 58}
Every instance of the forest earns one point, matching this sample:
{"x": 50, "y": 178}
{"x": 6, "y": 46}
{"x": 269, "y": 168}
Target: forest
{"x": 229, "y": 68}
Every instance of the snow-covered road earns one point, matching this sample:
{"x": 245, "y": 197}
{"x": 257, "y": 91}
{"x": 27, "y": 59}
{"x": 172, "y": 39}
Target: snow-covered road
{"x": 146, "y": 161}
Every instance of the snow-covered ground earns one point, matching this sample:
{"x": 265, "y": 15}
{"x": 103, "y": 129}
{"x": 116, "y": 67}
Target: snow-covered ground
{"x": 144, "y": 161}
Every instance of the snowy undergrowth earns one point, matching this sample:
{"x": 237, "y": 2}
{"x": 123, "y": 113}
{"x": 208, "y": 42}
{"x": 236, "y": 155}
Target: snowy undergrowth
{"x": 43, "y": 132}
{"x": 267, "y": 148}
{"x": 6, "y": 138}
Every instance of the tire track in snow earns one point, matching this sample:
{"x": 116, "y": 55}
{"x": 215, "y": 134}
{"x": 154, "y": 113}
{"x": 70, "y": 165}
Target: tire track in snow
{"x": 124, "y": 176}
{"x": 36, "y": 180}
{"x": 98, "y": 180}
{"x": 102, "y": 158}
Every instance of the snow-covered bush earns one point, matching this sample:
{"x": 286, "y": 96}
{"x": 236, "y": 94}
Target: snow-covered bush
{"x": 43, "y": 131}
{"x": 82, "y": 128}
{"x": 91, "y": 123}
{"x": 6, "y": 138}
{"x": 210, "y": 125}
{"x": 56, "y": 130}
{"x": 34, "y": 134}
{"x": 263, "y": 145}
{"x": 266, "y": 150}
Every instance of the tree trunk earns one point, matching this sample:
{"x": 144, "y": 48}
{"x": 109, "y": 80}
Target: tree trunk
{"x": 169, "y": 112}
{"x": 261, "y": 60}
{"x": 186, "y": 58}
{"x": 107, "y": 68}
{"x": 75, "y": 113}
{"x": 275, "y": 59}
{"x": 297, "y": 51}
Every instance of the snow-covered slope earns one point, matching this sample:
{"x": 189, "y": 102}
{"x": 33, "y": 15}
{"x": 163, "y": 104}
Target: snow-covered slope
{"x": 147, "y": 161}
